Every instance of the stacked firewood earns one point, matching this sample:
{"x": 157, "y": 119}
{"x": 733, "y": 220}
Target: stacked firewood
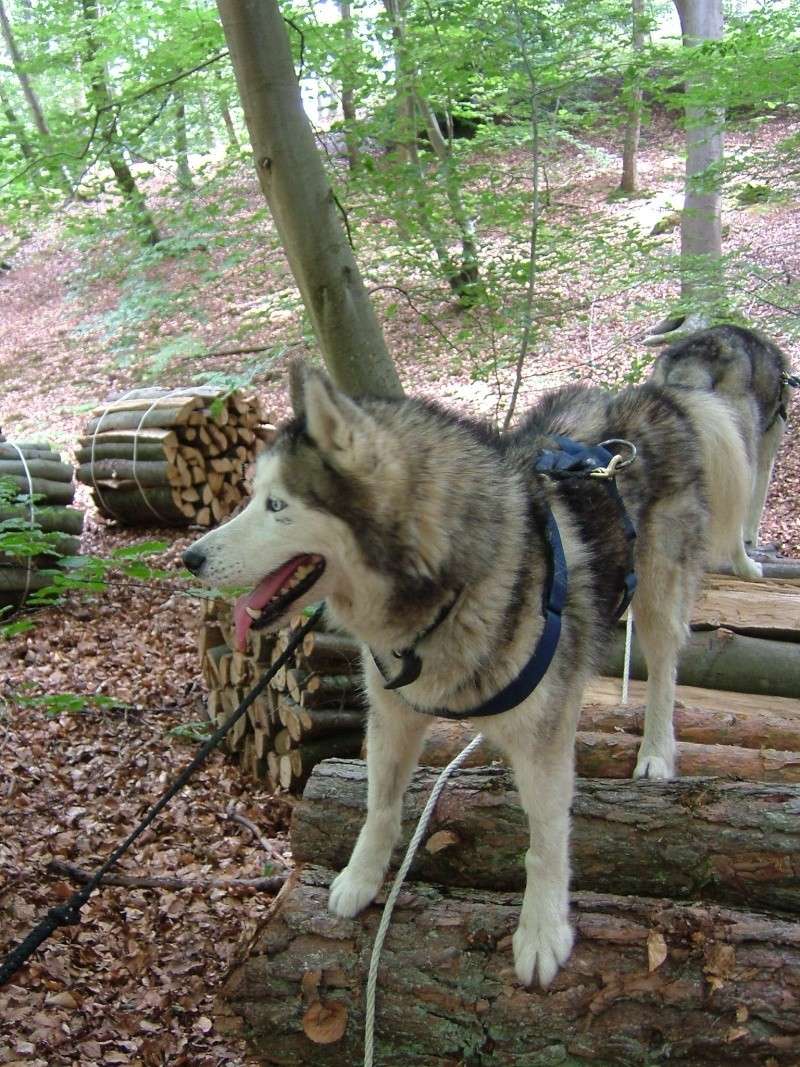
{"x": 312, "y": 710}
{"x": 158, "y": 457}
{"x": 38, "y": 490}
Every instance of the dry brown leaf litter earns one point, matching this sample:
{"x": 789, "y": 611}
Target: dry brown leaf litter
{"x": 134, "y": 983}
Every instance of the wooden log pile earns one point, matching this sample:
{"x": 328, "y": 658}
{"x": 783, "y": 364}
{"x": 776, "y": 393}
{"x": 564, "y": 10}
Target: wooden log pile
{"x": 311, "y": 710}
{"x": 36, "y": 466}
{"x": 159, "y": 457}
{"x": 686, "y": 903}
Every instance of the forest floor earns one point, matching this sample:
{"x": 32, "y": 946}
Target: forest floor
{"x": 135, "y": 982}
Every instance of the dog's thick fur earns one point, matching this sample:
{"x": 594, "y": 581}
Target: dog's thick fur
{"x": 750, "y": 372}
{"x": 413, "y": 508}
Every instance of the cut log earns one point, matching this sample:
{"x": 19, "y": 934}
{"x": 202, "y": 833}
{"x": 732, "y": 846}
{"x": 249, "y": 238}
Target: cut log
{"x": 698, "y": 838}
{"x": 703, "y": 726}
{"x": 48, "y": 519}
{"x": 721, "y": 659}
{"x": 613, "y": 755}
{"x": 144, "y": 452}
{"x": 608, "y": 691}
{"x": 152, "y": 436}
{"x": 54, "y": 492}
{"x": 125, "y": 419}
{"x": 49, "y": 469}
{"x": 15, "y": 580}
{"x": 331, "y": 653}
{"x": 331, "y": 691}
{"x": 649, "y": 981}
{"x": 159, "y": 506}
{"x": 145, "y": 472}
{"x": 760, "y": 609}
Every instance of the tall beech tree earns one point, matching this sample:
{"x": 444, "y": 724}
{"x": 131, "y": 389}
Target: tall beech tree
{"x": 103, "y": 104}
{"x": 302, "y": 202}
{"x": 702, "y": 284}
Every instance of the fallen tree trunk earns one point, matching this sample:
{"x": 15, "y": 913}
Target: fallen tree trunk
{"x": 649, "y": 981}
{"x": 732, "y": 842}
{"x": 613, "y": 755}
{"x": 721, "y": 659}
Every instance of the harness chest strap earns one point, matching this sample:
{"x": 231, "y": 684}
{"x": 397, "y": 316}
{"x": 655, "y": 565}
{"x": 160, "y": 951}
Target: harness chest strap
{"x": 569, "y": 461}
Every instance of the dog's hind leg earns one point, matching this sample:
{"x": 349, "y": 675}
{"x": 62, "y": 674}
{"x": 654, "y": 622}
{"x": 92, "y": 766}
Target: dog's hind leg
{"x": 767, "y": 450}
{"x": 395, "y": 734}
{"x": 661, "y": 611}
{"x": 543, "y": 764}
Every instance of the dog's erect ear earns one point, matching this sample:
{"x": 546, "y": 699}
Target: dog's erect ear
{"x": 333, "y": 421}
{"x": 297, "y": 386}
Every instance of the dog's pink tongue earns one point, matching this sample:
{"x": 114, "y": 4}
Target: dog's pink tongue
{"x": 259, "y": 598}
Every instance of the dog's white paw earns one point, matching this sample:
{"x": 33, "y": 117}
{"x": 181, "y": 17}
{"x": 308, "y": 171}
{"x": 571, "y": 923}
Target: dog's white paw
{"x": 351, "y": 891}
{"x": 745, "y": 567}
{"x": 540, "y": 950}
{"x": 651, "y": 766}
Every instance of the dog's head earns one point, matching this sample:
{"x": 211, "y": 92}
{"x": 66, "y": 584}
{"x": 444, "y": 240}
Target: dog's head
{"x": 301, "y": 536}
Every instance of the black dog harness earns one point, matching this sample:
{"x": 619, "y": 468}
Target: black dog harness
{"x": 568, "y": 460}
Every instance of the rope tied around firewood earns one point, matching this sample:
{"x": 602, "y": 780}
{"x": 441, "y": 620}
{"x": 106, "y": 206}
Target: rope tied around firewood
{"x": 136, "y": 433}
{"x": 32, "y": 526}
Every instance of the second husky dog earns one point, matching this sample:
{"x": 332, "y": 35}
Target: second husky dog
{"x": 431, "y": 538}
{"x": 752, "y": 374}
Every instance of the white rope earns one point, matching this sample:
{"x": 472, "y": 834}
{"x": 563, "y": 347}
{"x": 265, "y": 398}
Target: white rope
{"x": 394, "y": 892}
{"x": 152, "y": 507}
{"x": 626, "y": 666}
{"x": 177, "y": 391}
{"x": 28, "y": 566}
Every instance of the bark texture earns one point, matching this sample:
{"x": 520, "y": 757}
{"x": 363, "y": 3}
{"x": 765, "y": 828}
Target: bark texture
{"x": 302, "y": 202}
{"x": 733, "y": 842}
{"x": 649, "y": 982}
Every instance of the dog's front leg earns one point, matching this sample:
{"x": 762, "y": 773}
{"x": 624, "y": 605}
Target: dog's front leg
{"x": 395, "y": 735}
{"x": 544, "y": 772}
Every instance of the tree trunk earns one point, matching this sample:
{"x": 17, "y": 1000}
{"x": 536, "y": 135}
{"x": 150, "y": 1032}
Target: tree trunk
{"x": 16, "y": 125}
{"x": 698, "y": 838}
{"x": 649, "y": 982}
{"x": 26, "y": 85}
{"x": 410, "y": 103}
{"x": 633, "y": 127}
{"x": 702, "y": 285}
{"x": 302, "y": 202}
{"x": 100, "y": 98}
{"x": 184, "y": 172}
{"x": 348, "y": 94}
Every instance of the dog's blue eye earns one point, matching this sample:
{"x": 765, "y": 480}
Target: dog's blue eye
{"x": 274, "y": 504}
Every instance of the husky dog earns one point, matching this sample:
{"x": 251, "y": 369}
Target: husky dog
{"x": 752, "y": 374}
{"x": 427, "y": 531}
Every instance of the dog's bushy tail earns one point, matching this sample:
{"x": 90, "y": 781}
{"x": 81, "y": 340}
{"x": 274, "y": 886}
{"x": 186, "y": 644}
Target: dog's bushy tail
{"x": 728, "y": 472}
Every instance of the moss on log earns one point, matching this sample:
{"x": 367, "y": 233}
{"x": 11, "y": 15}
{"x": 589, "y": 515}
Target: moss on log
{"x": 649, "y": 982}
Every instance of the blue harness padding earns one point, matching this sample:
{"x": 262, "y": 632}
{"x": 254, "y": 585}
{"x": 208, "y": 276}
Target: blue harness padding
{"x": 570, "y": 460}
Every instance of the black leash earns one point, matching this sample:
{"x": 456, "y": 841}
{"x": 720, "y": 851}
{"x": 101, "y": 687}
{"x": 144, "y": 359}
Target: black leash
{"x": 68, "y": 913}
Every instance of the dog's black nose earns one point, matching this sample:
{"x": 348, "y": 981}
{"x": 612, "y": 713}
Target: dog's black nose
{"x": 193, "y": 559}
